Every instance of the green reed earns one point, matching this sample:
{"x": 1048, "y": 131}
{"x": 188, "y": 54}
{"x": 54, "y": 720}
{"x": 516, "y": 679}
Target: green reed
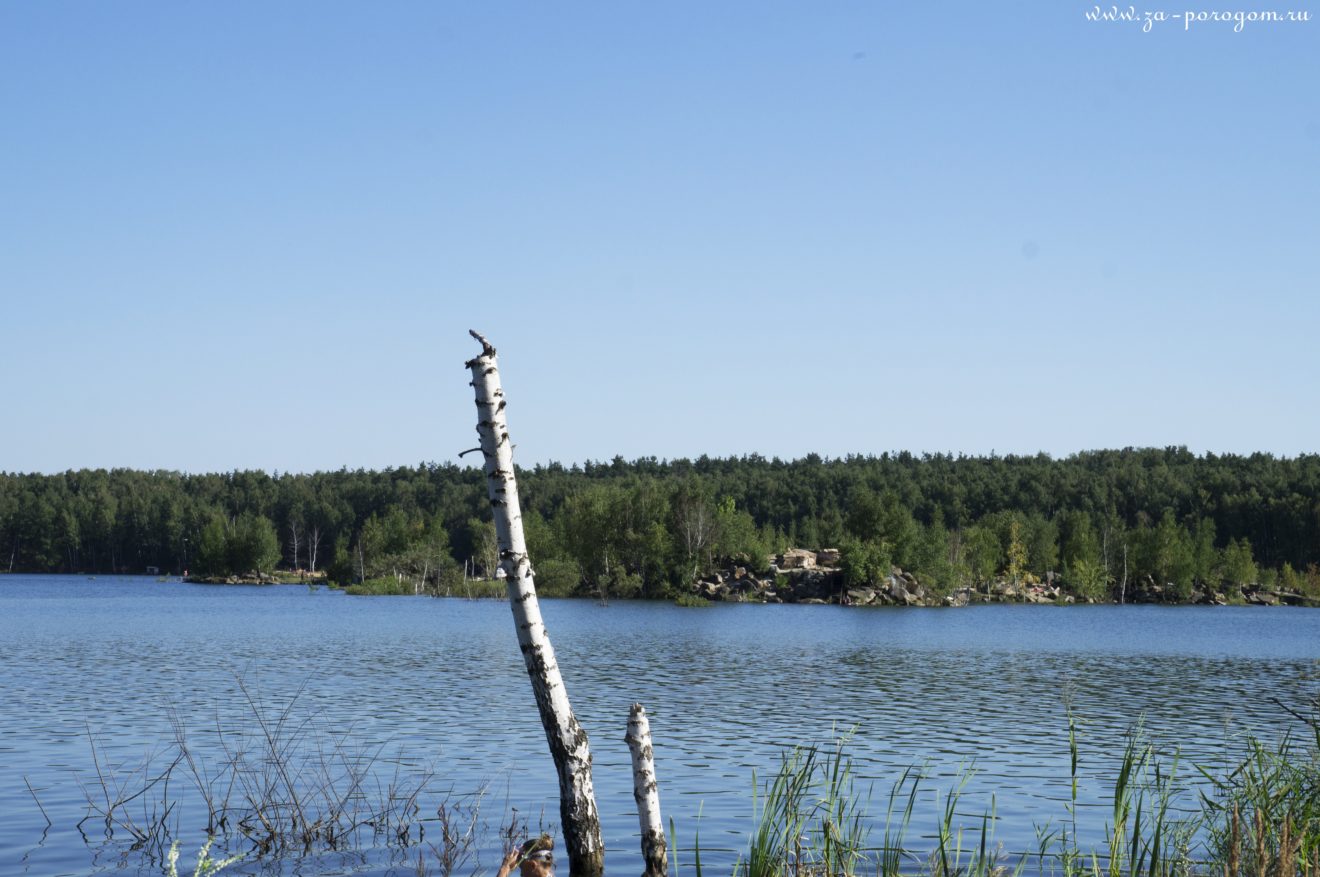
{"x": 1260, "y": 817}
{"x": 1145, "y": 834}
{"x": 1263, "y": 811}
{"x": 810, "y": 818}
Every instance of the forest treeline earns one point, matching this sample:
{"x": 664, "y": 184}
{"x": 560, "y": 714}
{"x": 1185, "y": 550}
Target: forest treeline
{"x": 1095, "y": 520}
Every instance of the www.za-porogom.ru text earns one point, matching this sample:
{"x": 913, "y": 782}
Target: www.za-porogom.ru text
{"x": 1148, "y": 19}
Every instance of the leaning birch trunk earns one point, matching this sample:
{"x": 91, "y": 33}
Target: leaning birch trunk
{"x": 568, "y": 742}
{"x": 646, "y": 793}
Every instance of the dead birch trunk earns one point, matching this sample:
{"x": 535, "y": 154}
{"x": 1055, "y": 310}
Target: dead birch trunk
{"x": 313, "y": 543}
{"x": 567, "y": 740}
{"x": 647, "y": 793}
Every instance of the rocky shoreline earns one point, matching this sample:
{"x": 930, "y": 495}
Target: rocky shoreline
{"x": 248, "y": 579}
{"x": 816, "y": 577}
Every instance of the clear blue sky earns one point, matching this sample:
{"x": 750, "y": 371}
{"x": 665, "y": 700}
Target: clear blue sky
{"x": 254, "y": 235}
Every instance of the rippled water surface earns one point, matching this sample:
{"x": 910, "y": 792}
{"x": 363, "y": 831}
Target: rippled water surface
{"x": 440, "y": 684}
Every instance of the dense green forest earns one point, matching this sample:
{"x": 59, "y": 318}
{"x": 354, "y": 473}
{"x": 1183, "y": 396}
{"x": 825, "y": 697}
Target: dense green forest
{"x": 1095, "y": 520}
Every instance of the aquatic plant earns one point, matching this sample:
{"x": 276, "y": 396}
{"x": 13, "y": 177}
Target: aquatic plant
{"x": 891, "y": 855}
{"x": 696, "y": 846}
{"x": 1263, "y": 811}
{"x": 383, "y": 586}
{"x": 810, "y": 818}
{"x": 982, "y": 858}
{"x": 1260, "y": 818}
{"x": 283, "y": 787}
{"x": 691, "y": 601}
{"x": 1145, "y": 835}
{"x": 280, "y": 786}
{"x": 206, "y": 866}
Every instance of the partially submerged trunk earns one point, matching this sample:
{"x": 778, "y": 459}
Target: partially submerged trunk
{"x": 646, "y": 793}
{"x": 567, "y": 740}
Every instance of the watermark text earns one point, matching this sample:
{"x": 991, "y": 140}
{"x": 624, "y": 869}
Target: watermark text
{"x": 1150, "y": 19}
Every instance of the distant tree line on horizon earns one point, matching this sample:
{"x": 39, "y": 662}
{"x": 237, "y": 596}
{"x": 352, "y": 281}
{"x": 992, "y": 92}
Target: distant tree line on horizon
{"x": 1095, "y": 520}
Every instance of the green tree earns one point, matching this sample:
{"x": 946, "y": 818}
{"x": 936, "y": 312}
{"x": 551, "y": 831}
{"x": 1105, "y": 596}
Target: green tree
{"x": 1017, "y": 553}
{"x": 1204, "y": 556}
{"x": 591, "y": 535}
{"x": 70, "y": 537}
{"x": 983, "y": 552}
{"x": 695, "y": 525}
{"x": 1238, "y": 566}
{"x": 885, "y": 520}
{"x": 424, "y": 564}
{"x": 1291, "y": 580}
{"x": 342, "y": 568}
{"x": 643, "y": 540}
{"x": 483, "y": 547}
{"x": 864, "y": 562}
{"x": 213, "y": 547}
{"x": 1089, "y": 579}
{"x": 253, "y": 544}
{"x": 1042, "y": 540}
{"x": 1078, "y": 539}
{"x": 933, "y": 559}
{"x": 1172, "y": 558}
{"x": 865, "y": 518}
{"x": 738, "y": 539}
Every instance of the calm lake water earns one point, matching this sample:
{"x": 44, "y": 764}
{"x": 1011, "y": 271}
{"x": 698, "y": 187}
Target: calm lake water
{"x": 439, "y": 684}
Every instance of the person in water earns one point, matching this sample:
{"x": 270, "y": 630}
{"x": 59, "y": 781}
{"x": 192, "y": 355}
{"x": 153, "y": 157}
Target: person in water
{"x": 535, "y": 858}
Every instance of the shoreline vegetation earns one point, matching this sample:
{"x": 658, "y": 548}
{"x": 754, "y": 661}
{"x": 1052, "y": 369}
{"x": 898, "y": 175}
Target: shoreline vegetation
{"x": 816, "y": 578}
{"x": 1132, "y": 525}
{"x": 1255, "y": 817}
{"x": 307, "y": 791}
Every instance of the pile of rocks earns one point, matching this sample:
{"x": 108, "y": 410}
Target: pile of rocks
{"x": 737, "y": 585}
{"x": 900, "y": 589}
{"x": 801, "y": 575}
{"x": 1003, "y": 591}
{"x": 1252, "y": 595}
{"x": 1146, "y": 590}
{"x": 796, "y": 576}
{"x": 251, "y": 578}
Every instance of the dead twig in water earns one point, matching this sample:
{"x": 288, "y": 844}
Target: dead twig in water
{"x": 38, "y": 800}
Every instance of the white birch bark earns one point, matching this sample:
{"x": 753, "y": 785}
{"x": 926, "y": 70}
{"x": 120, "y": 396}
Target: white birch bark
{"x": 313, "y": 543}
{"x": 646, "y": 793}
{"x": 567, "y": 740}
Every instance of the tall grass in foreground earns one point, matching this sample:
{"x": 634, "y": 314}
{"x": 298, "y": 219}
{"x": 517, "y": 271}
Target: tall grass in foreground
{"x": 1258, "y": 818}
{"x": 1263, "y": 814}
{"x": 810, "y": 819}
{"x": 1143, "y": 836}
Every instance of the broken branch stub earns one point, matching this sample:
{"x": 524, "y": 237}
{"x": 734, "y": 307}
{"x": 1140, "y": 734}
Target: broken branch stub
{"x": 566, "y": 738}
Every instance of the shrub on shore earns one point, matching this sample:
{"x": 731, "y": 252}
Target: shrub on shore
{"x": 691, "y": 601}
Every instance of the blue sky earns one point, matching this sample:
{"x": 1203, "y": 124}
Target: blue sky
{"x": 253, "y": 235}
